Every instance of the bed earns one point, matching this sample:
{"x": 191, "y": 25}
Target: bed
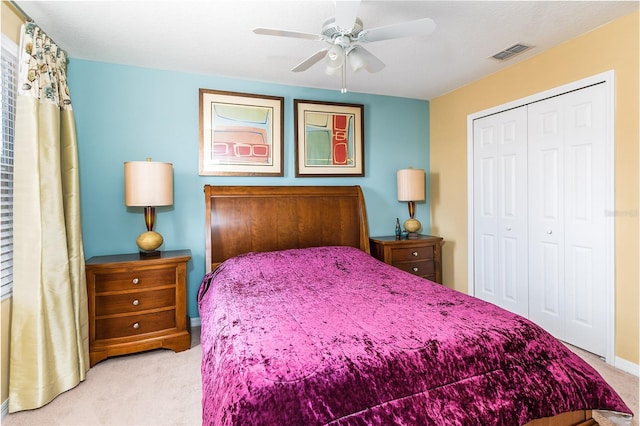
{"x": 300, "y": 325}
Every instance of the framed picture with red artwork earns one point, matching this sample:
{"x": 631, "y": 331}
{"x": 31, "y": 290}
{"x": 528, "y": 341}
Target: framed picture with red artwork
{"x": 329, "y": 139}
{"x": 241, "y": 134}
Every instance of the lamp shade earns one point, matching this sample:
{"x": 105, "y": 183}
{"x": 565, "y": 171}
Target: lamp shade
{"x": 148, "y": 183}
{"x": 411, "y": 185}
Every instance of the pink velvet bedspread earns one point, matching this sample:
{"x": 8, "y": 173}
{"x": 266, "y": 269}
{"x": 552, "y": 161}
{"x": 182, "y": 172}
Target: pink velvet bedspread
{"x": 330, "y": 335}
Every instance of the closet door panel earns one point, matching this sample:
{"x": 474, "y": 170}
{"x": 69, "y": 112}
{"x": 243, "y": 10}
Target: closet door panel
{"x": 486, "y": 212}
{"x": 546, "y": 215}
{"x": 585, "y": 272}
{"x": 500, "y": 224}
{"x": 512, "y": 209}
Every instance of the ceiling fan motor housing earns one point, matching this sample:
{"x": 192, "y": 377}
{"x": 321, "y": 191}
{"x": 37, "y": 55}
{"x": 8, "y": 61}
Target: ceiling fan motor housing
{"x": 331, "y": 31}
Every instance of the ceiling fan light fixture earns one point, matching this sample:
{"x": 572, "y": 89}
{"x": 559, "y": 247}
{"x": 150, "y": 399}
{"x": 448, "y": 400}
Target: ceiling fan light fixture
{"x": 356, "y": 60}
{"x": 335, "y": 56}
{"x": 329, "y": 70}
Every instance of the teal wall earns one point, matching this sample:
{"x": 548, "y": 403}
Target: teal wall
{"x": 128, "y": 113}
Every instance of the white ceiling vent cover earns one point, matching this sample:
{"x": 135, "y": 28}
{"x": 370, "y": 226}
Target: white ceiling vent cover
{"x": 511, "y": 51}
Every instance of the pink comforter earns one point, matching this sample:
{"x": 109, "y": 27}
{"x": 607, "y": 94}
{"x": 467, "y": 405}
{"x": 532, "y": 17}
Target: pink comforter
{"x": 330, "y": 335}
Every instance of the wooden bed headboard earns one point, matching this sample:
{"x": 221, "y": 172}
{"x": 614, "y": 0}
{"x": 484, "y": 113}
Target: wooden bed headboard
{"x": 242, "y": 219}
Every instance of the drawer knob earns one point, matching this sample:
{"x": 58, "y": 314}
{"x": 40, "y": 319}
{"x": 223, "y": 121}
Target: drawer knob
{"x": 136, "y": 325}
{"x": 135, "y": 281}
{"x": 415, "y": 269}
{"x": 136, "y": 302}
{"x": 415, "y": 254}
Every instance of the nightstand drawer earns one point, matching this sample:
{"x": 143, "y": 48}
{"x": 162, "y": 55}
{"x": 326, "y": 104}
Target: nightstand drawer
{"x": 411, "y": 253}
{"x": 423, "y": 268}
{"x": 421, "y": 256}
{"x": 131, "y": 280}
{"x": 135, "y": 302}
{"x": 133, "y": 325}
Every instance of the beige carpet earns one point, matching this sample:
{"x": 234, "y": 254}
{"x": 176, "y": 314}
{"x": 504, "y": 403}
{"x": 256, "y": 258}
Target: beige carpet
{"x": 163, "y": 388}
{"x": 157, "y": 388}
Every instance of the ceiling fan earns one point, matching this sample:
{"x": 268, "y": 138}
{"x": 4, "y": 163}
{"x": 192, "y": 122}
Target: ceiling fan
{"x": 344, "y": 34}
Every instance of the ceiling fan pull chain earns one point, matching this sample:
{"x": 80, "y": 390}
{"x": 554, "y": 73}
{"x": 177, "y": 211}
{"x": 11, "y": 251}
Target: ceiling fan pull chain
{"x": 344, "y": 74}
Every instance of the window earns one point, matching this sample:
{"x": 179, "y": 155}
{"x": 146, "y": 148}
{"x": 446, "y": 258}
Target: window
{"x": 9, "y": 88}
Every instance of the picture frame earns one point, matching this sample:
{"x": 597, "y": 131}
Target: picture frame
{"x": 241, "y": 134}
{"x": 329, "y": 139}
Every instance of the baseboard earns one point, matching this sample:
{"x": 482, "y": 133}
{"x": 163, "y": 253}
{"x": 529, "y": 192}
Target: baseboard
{"x": 5, "y": 408}
{"x": 624, "y": 365}
{"x": 195, "y": 322}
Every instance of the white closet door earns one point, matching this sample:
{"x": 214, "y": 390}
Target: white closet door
{"x": 500, "y": 203}
{"x": 546, "y": 215}
{"x": 567, "y": 273}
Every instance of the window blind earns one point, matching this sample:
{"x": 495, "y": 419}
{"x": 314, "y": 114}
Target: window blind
{"x": 9, "y": 72}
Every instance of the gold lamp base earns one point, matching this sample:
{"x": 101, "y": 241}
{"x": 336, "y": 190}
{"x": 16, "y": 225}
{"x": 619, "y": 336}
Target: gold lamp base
{"x": 412, "y": 226}
{"x": 148, "y": 242}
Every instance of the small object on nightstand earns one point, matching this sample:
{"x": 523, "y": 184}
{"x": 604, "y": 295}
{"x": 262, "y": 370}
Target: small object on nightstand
{"x": 421, "y": 256}
{"x": 398, "y": 230}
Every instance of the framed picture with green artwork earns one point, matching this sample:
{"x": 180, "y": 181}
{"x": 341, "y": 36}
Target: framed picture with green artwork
{"x": 240, "y": 134}
{"x": 329, "y": 139}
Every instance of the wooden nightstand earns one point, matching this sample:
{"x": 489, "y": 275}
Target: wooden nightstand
{"x": 137, "y": 304}
{"x": 421, "y": 256}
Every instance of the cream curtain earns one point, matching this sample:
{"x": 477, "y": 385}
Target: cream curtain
{"x": 49, "y": 334}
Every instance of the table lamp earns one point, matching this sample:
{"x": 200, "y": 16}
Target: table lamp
{"x": 411, "y": 189}
{"x": 148, "y": 184}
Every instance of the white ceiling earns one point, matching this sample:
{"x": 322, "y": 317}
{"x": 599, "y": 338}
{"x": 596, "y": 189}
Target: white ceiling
{"x": 215, "y": 37}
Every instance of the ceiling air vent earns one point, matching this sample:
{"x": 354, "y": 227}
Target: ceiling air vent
{"x": 511, "y": 51}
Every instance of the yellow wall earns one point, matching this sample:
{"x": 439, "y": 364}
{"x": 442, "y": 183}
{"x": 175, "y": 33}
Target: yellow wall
{"x": 11, "y": 23}
{"x": 612, "y": 46}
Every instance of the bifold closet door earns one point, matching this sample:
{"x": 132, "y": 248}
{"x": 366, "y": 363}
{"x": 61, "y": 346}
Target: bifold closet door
{"x": 500, "y": 209}
{"x": 566, "y": 210}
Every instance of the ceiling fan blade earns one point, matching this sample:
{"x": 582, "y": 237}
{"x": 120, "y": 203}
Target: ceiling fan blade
{"x": 420, "y": 27}
{"x": 346, "y": 13}
{"x": 371, "y": 62}
{"x": 311, "y": 60}
{"x": 286, "y": 33}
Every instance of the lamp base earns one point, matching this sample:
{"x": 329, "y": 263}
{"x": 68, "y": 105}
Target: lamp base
{"x": 148, "y": 254}
{"x": 412, "y": 225}
{"x": 412, "y": 236}
{"x": 149, "y": 241}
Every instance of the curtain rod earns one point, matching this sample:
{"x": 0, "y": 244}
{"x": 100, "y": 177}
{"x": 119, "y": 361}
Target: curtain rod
{"x": 18, "y": 9}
